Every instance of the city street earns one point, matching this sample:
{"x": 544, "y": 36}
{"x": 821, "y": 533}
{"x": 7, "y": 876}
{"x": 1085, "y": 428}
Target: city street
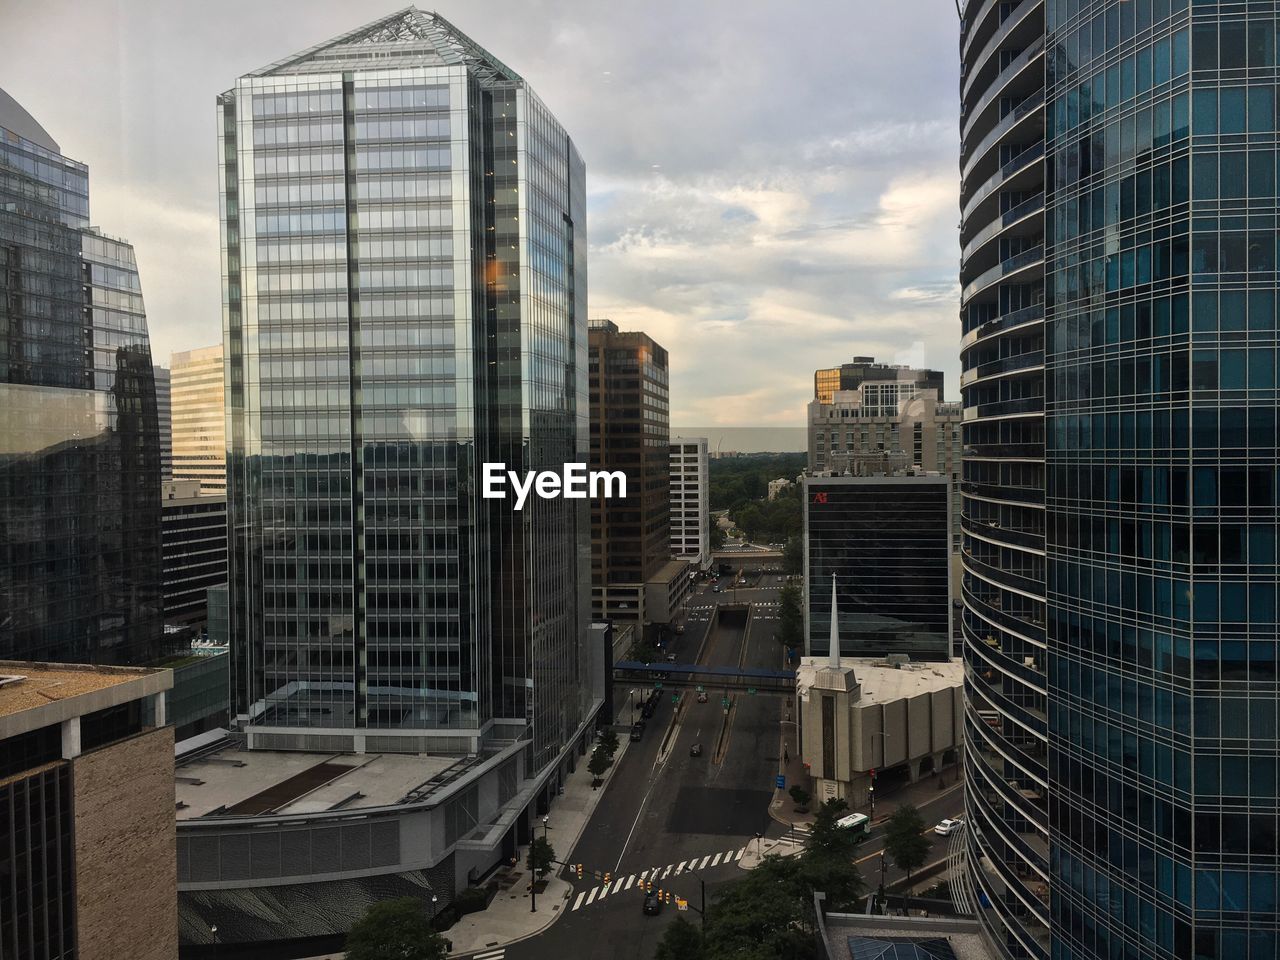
{"x": 665, "y": 813}
{"x": 661, "y": 816}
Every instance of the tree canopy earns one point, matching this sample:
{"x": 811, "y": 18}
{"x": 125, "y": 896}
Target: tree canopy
{"x": 905, "y": 840}
{"x": 768, "y": 913}
{"x": 395, "y": 930}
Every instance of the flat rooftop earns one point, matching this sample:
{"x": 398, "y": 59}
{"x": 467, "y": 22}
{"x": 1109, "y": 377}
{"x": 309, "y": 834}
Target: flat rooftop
{"x": 52, "y": 692}
{"x": 942, "y": 938}
{"x": 233, "y": 781}
{"x": 883, "y": 683}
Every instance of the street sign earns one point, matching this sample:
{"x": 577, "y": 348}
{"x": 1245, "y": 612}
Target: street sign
{"x": 700, "y": 688}
{"x": 658, "y": 685}
{"x": 751, "y": 691}
{"x": 682, "y": 903}
{"x": 780, "y": 781}
{"x": 724, "y": 702}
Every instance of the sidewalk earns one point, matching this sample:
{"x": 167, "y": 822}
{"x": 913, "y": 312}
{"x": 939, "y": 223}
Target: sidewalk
{"x": 508, "y": 917}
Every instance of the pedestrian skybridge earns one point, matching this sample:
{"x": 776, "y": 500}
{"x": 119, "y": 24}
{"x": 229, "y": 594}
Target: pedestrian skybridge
{"x": 678, "y": 676}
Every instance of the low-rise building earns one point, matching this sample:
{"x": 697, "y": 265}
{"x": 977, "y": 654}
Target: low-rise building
{"x": 86, "y": 778}
{"x": 777, "y": 486}
{"x": 861, "y": 719}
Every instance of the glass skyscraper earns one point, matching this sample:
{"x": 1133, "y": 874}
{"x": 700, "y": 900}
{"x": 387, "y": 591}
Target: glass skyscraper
{"x": 1159, "y": 487}
{"x": 79, "y": 432}
{"x": 404, "y": 258}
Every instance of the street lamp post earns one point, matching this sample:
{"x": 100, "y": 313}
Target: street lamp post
{"x": 213, "y": 930}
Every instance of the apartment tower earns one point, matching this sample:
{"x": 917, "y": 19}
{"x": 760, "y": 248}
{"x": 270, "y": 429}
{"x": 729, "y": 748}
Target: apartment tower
{"x": 1119, "y": 287}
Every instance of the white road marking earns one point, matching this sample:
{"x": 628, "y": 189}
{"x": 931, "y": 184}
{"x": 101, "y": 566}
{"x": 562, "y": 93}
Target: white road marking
{"x": 604, "y": 892}
{"x": 716, "y": 860}
{"x": 667, "y": 871}
{"x": 703, "y": 864}
{"x": 681, "y": 867}
{"x": 592, "y": 895}
{"x": 630, "y": 880}
{"x": 617, "y": 885}
{"x": 577, "y": 903}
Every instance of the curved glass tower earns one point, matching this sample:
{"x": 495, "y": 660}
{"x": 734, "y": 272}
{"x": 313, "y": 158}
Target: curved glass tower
{"x": 1002, "y": 385}
{"x": 1161, "y": 474}
{"x": 1121, "y": 571}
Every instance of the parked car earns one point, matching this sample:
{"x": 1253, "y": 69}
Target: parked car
{"x": 948, "y": 826}
{"x": 718, "y": 589}
{"x": 637, "y": 730}
{"x": 671, "y": 658}
{"x": 695, "y": 750}
{"x": 702, "y": 696}
{"x": 652, "y": 904}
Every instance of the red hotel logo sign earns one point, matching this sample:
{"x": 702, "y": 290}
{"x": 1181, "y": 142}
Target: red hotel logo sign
{"x": 819, "y": 498}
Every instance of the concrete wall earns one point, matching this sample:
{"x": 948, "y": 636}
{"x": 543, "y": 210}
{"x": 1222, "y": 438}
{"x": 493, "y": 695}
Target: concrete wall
{"x": 126, "y": 869}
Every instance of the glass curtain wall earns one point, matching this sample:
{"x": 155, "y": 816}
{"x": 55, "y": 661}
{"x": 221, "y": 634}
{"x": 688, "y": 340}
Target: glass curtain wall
{"x": 1161, "y": 478}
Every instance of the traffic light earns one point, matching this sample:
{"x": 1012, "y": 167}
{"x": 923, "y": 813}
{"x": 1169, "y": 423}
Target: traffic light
{"x": 579, "y": 871}
{"x": 608, "y": 878}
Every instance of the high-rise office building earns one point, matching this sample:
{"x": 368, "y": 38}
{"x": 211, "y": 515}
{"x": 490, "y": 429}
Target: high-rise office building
{"x": 691, "y": 501}
{"x": 1122, "y": 780}
{"x": 405, "y": 275}
{"x": 851, "y": 375}
{"x": 405, "y": 284}
{"x": 79, "y": 437}
{"x": 164, "y": 417}
{"x": 199, "y": 418}
{"x": 887, "y": 542}
{"x": 630, "y": 431}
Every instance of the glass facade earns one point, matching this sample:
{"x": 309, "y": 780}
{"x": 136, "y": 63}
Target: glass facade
{"x": 887, "y": 541}
{"x": 1002, "y": 487}
{"x": 1161, "y": 478}
{"x": 79, "y": 437}
{"x": 1144, "y": 746}
{"x": 404, "y": 277}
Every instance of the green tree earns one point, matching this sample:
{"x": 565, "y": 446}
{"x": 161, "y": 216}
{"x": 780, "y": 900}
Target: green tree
{"x": 790, "y": 617}
{"x": 395, "y": 930}
{"x": 800, "y": 797}
{"x": 793, "y": 556}
{"x": 644, "y": 651}
{"x": 541, "y": 856}
{"x": 830, "y": 851}
{"x": 905, "y": 840}
{"x": 596, "y": 766}
{"x": 681, "y": 941}
{"x": 609, "y": 742}
{"x": 718, "y": 537}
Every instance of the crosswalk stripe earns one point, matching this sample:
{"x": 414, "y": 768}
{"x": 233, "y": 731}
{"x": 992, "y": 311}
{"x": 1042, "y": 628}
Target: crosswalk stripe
{"x": 592, "y": 895}
{"x": 703, "y": 864}
{"x": 604, "y": 892}
{"x": 630, "y": 880}
{"x": 664, "y": 873}
{"x": 617, "y": 885}
{"x": 490, "y": 955}
{"x": 577, "y": 903}
{"x": 738, "y": 855}
{"x": 716, "y": 860}
{"x": 681, "y": 867}
{"x": 728, "y": 856}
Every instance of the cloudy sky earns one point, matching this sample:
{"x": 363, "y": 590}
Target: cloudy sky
{"x": 772, "y": 185}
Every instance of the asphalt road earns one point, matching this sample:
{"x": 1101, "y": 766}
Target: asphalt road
{"x": 664, "y": 812}
{"x": 661, "y": 813}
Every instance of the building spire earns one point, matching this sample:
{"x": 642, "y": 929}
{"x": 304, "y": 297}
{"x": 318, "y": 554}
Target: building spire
{"x": 833, "y": 648}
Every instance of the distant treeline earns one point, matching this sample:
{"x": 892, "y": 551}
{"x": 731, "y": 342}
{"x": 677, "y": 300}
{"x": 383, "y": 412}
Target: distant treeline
{"x": 741, "y": 486}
